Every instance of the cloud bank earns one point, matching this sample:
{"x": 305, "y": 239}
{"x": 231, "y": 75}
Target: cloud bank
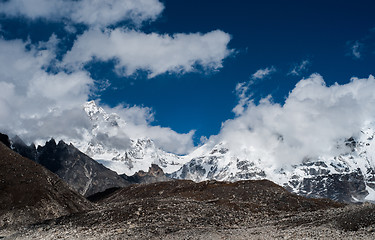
{"x": 95, "y": 13}
{"x": 311, "y": 122}
{"x": 154, "y": 53}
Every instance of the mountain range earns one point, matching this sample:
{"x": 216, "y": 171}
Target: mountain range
{"x": 39, "y": 204}
{"x": 348, "y": 177}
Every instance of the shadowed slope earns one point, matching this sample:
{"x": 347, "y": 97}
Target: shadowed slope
{"x": 81, "y": 172}
{"x": 31, "y": 193}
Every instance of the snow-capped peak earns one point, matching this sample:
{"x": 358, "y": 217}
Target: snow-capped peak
{"x": 92, "y": 109}
{"x": 108, "y": 142}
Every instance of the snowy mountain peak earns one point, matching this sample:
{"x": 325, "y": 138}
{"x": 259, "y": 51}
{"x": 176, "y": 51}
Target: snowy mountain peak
{"x": 98, "y": 114}
{"x": 349, "y": 176}
{"x": 92, "y": 109}
{"x": 108, "y": 142}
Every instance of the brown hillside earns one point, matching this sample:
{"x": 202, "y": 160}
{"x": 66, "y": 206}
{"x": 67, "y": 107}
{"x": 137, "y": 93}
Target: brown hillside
{"x": 30, "y": 193}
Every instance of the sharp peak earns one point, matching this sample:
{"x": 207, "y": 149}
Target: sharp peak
{"x": 91, "y": 104}
{"x": 92, "y": 108}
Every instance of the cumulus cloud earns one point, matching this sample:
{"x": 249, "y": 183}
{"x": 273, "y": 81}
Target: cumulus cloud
{"x": 90, "y": 12}
{"x": 29, "y": 94}
{"x": 263, "y": 73}
{"x": 311, "y": 122}
{"x": 37, "y": 105}
{"x": 155, "y": 53}
{"x": 299, "y": 68}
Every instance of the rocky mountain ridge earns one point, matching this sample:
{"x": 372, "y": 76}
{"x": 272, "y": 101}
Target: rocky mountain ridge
{"x": 79, "y": 171}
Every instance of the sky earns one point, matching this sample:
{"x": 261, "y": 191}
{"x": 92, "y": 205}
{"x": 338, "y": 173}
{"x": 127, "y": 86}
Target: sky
{"x": 187, "y": 71}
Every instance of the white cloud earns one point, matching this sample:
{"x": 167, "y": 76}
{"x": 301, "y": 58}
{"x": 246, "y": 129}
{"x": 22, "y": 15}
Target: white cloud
{"x": 155, "y": 53}
{"x": 310, "y": 123}
{"x": 243, "y": 97}
{"x": 355, "y": 49}
{"x": 90, "y": 12}
{"x": 242, "y": 89}
{"x": 298, "y": 69}
{"x": 262, "y": 73}
{"x": 29, "y": 94}
{"x": 139, "y": 125}
{"x": 36, "y": 104}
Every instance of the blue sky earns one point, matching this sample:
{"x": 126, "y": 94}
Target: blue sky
{"x": 287, "y": 40}
{"x": 264, "y": 34}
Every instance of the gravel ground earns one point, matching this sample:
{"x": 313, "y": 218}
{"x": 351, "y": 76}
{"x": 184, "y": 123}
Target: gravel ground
{"x": 206, "y": 212}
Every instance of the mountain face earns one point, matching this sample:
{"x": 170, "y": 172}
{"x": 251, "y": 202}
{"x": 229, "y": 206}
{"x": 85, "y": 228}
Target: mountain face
{"x": 349, "y": 177}
{"x": 30, "y": 193}
{"x": 107, "y": 143}
{"x": 82, "y": 173}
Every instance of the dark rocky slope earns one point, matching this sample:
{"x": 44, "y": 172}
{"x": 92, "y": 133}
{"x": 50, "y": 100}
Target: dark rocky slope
{"x": 81, "y": 172}
{"x": 30, "y": 193}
